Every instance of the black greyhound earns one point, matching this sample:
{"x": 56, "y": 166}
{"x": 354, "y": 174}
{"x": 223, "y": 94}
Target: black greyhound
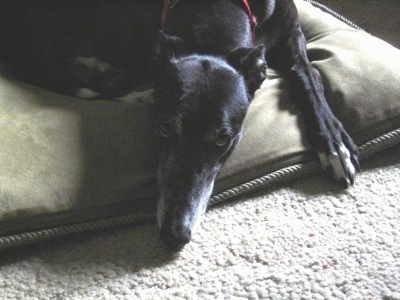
{"x": 206, "y": 70}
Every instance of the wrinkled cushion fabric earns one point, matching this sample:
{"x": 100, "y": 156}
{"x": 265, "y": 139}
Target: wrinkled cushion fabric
{"x": 66, "y": 160}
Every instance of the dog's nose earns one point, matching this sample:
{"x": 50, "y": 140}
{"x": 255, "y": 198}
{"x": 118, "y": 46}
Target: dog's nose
{"x": 175, "y": 237}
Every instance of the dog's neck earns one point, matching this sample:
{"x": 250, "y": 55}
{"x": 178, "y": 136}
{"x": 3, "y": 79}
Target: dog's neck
{"x": 169, "y": 4}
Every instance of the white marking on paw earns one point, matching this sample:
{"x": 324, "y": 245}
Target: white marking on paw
{"x": 340, "y": 163}
{"x": 336, "y": 164}
{"x": 347, "y": 165}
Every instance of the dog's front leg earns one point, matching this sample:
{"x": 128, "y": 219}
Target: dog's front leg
{"x": 326, "y": 134}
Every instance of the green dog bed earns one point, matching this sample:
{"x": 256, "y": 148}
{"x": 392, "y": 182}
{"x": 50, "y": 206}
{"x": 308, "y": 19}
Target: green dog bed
{"x": 69, "y": 165}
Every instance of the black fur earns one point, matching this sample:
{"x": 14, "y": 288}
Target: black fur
{"x": 205, "y": 70}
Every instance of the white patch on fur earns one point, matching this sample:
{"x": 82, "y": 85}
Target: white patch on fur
{"x": 323, "y": 158}
{"x": 194, "y": 220}
{"x": 160, "y": 212}
{"x": 161, "y": 203}
{"x": 191, "y": 220}
{"x": 259, "y": 63}
{"x": 85, "y": 93}
{"x": 92, "y": 63}
{"x": 138, "y": 97}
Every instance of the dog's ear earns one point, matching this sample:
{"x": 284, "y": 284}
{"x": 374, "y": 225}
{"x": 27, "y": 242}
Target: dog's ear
{"x": 168, "y": 47}
{"x": 251, "y": 63}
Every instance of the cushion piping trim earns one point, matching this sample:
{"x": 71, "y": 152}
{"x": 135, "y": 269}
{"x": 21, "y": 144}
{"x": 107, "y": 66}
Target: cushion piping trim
{"x": 335, "y": 14}
{"x": 301, "y": 170}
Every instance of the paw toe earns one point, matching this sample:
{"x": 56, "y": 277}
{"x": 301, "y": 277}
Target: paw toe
{"x": 342, "y": 163}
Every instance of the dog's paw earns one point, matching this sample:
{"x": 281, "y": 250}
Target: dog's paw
{"x": 337, "y": 151}
{"x": 97, "y": 78}
{"x": 342, "y": 163}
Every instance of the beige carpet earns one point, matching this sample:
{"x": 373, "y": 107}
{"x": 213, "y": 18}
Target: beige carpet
{"x": 307, "y": 239}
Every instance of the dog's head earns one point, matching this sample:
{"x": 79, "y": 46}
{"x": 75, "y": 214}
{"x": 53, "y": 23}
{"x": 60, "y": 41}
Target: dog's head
{"x": 201, "y": 102}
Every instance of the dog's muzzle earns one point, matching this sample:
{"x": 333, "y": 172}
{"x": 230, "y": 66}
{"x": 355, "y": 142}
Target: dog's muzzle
{"x": 183, "y": 199}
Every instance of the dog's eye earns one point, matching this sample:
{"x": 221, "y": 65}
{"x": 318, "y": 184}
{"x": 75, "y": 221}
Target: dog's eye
{"x": 223, "y": 140}
{"x": 164, "y": 129}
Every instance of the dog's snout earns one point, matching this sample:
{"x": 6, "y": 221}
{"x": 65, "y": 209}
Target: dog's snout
{"x": 183, "y": 197}
{"x": 175, "y": 237}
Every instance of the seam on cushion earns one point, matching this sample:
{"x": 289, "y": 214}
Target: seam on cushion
{"x": 301, "y": 170}
{"x": 327, "y": 33}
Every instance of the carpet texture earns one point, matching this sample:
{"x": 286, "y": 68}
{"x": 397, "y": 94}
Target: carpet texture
{"x": 307, "y": 239}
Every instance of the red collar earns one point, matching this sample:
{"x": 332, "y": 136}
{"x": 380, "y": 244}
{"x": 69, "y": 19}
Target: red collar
{"x": 168, "y": 4}
{"x": 253, "y": 19}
